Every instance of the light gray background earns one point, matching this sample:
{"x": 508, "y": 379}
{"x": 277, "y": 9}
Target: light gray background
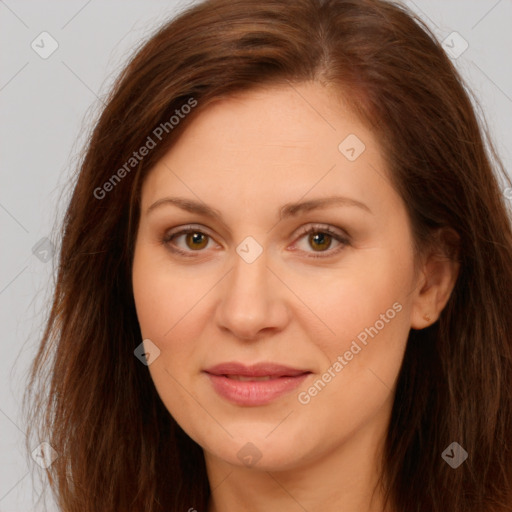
{"x": 47, "y": 107}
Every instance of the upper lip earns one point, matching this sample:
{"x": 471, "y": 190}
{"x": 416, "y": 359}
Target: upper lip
{"x": 255, "y": 370}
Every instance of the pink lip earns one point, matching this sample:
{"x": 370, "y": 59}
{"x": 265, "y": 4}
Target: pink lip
{"x": 283, "y": 379}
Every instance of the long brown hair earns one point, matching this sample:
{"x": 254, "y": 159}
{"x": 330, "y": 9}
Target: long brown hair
{"x": 95, "y": 403}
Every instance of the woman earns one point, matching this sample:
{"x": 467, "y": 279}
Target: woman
{"x": 283, "y": 277}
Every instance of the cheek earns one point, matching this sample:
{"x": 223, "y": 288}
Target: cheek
{"x": 363, "y": 295}
{"x": 164, "y": 295}
{"x": 172, "y": 310}
{"x": 367, "y": 312}
{"x": 363, "y": 360}
{"x": 165, "y": 303}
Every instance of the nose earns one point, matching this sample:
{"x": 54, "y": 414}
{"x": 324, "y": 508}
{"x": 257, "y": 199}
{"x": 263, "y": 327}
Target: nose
{"x": 252, "y": 300}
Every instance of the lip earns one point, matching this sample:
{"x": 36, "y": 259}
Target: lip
{"x": 279, "y": 380}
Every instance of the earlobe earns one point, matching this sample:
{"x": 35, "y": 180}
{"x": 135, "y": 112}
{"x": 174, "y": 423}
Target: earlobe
{"x": 419, "y": 322}
{"x": 437, "y": 281}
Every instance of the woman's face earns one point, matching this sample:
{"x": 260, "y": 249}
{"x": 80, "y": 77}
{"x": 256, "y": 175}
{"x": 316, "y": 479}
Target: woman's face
{"x": 296, "y": 276}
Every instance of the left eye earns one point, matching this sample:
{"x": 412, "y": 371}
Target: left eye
{"x": 320, "y": 239}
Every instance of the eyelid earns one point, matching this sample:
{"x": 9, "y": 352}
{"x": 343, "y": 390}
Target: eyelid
{"x": 322, "y": 228}
{"x": 179, "y": 230}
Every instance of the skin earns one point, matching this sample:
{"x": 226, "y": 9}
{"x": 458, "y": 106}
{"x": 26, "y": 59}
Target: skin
{"x": 247, "y": 156}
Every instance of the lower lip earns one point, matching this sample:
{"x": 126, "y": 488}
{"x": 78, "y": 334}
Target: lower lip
{"x": 252, "y": 393}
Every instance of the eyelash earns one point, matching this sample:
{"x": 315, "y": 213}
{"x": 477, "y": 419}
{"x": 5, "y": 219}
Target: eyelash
{"x": 324, "y": 229}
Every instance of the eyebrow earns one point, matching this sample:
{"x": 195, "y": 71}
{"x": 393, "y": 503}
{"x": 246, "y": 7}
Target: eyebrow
{"x": 288, "y": 210}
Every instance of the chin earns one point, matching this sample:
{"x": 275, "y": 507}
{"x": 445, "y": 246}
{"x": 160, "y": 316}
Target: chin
{"x": 260, "y": 451}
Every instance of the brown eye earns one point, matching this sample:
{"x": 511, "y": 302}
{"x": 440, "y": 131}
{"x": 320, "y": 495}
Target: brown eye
{"x": 196, "y": 240}
{"x": 188, "y": 241}
{"x": 320, "y": 241}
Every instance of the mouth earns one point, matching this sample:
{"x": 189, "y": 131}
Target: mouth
{"x": 255, "y": 371}
{"x": 244, "y": 378}
{"x": 254, "y": 385}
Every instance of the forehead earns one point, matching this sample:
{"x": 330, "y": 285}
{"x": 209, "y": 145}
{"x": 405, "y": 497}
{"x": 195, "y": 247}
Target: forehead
{"x": 295, "y": 117}
{"x": 283, "y": 140}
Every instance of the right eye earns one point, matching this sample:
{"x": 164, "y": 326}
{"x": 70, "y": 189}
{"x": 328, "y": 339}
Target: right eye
{"x": 187, "y": 240}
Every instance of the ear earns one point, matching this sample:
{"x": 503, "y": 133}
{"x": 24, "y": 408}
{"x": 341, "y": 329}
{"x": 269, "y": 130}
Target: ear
{"x": 436, "y": 279}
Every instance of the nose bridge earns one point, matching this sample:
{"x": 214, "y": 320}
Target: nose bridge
{"x": 250, "y": 300}
{"x": 249, "y": 278}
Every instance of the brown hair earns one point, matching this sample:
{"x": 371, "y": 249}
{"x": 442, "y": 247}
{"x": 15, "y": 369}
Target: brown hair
{"x": 95, "y": 403}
